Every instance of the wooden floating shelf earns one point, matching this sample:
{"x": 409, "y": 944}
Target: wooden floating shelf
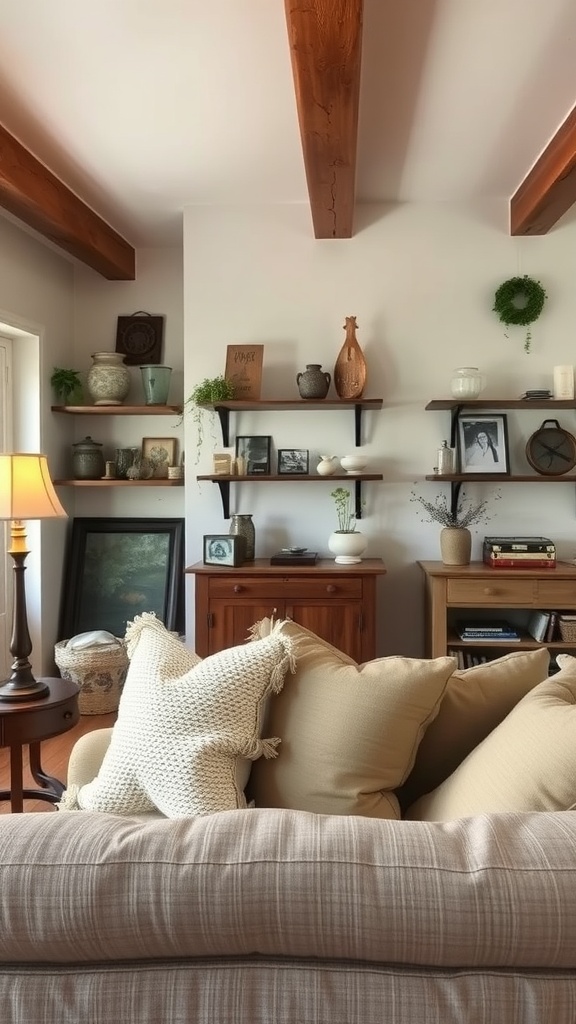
{"x": 502, "y": 478}
{"x": 119, "y": 410}
{"x": 501, "y": 403}
{"x": 294, "y": 403}
{"x": 258, "y": 478}
{"x": 119, "y": 483}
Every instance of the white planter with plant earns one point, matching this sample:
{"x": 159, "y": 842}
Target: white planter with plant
{"x": 347, "y": 543}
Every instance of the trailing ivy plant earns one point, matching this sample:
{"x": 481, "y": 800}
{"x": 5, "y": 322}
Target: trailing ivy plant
{"x": 201, "y": 400}
{"x": 520, "y": 300}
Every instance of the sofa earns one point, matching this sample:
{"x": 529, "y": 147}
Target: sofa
{"x": 366, "y": 901}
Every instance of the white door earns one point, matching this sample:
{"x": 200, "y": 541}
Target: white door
{"x": 6, "y": 563}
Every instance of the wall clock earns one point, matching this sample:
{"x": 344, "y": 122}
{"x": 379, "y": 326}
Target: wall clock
{"x": 139, "y": 338}
{"x": 551, "y": 450}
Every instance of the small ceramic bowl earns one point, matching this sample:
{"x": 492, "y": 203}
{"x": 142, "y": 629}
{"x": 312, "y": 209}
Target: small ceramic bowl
{"x": 353, "y": 464}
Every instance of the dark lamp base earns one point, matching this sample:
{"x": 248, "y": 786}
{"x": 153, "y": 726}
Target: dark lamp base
{"x": 14, "y": 691}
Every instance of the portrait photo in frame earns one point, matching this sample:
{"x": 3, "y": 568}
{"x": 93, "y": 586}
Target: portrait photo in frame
{"x": 255, "y": 450}
{"x": 223, "y": 549}
{"x": 483, "y": 444}
{"x": 118, "y": 568}
{"x": 292, "y": 461}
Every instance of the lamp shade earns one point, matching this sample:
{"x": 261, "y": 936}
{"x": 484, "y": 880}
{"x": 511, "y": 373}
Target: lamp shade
{"x": 26, "y": 490}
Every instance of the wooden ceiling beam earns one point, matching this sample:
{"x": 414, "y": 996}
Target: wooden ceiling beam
{"x": 34, "y": 195}
{"x": 549, "y": 188}
{"x": 325, "y": 48}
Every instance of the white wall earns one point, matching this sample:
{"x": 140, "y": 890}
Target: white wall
{"x": 421, "y": 281}
{"x": 36, "y": 300}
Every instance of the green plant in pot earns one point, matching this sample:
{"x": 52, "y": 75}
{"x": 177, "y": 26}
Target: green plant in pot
{"x": 67, "y": 386}
{"x": 347, "y": 543}
{"x": 202, "y": 398}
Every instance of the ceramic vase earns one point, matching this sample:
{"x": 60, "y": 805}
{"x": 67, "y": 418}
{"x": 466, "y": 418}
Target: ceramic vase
{"x": 314, "y": 382}
{"x": 348, "y": 547}
{"x": 108, "y": 380}
{"x": 242, "y": 526}
{"x": 350, "y": 368}
{"x": 455, "y": 545}
{"x": 156, "y": 383}
{"x": 327, "y": 466}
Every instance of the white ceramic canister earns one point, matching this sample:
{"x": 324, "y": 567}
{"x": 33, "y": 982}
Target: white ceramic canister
{"x": 467, "y": 382}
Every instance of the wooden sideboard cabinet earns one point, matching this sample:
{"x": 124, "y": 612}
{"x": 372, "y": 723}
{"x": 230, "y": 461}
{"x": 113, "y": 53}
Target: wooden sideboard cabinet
{"x": 468, "y": 591}
{"x": 338, "y": 602}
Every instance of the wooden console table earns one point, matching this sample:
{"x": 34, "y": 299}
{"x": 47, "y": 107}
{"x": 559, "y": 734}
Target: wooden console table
{"x": 29, "y": 722}
{"x": 451, "y": 590}
{"x": 338, "y": 602}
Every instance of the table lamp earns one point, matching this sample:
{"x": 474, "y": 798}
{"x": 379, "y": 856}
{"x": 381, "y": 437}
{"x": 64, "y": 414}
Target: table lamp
{"x": 26, "y": 492}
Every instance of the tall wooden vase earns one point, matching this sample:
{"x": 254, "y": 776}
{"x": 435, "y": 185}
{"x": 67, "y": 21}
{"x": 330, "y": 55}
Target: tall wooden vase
{"x": 350, "y": 369}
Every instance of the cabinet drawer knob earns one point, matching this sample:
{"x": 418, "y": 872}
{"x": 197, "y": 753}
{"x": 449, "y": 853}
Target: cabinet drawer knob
{"x": 67, "y": 714}
{"x": 237, "y": 588}
{"x": 489, "y": 591}
{"x": 331, "y": 589}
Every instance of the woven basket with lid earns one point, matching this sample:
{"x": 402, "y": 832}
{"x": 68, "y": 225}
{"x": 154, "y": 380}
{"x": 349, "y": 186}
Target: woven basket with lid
{"x": 99, "y": 672}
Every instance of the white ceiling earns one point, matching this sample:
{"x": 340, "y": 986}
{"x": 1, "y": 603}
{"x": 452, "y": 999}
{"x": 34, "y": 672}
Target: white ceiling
{"x": 145, "y": 106}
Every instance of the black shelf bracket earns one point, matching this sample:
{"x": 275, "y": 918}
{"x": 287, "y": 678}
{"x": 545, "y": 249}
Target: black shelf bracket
{"x": 224, "y": 417}
{"x": 454, "y": 496}
{"x": 224, "y": 486}
{"x": 358, "y": 490}
{"x": 357, "y": 425}
{"x": 454, "y": 415}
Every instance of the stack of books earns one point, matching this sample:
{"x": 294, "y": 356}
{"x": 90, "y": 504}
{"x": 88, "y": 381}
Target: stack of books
{"x": 492, "y": 629}
{"x": 519, "y": 553}
{"x": 542, "y": 626}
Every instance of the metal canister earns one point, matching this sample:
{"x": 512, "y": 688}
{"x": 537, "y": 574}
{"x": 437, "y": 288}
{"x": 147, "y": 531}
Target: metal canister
{"x": 445, "y": 459}
{"x": 87, "y": 459}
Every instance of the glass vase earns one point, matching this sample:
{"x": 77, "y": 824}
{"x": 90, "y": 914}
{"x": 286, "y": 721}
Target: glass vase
{"x": 242, "y": 526}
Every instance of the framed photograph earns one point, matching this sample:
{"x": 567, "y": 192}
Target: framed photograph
{"x": 483, "y": 444}
{"x": 118, "y": 568}
{"x": 292, "y": 460}
{"x": 255, "y": 450}
{"x": 161, "y": 452}
{"x": 223, "y": 549}
{"x": 139, "y": 338}
{"x": 244, "y": 369}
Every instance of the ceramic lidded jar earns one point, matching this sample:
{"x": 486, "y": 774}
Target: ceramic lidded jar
{"x": 108, "y": 380}
{"x": 314, "y": 382}
{"x": 87, "y": 459}
{"x": 467, "y": 382}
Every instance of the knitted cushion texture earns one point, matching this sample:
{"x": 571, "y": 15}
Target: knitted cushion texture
{"x": 184, "y": 725}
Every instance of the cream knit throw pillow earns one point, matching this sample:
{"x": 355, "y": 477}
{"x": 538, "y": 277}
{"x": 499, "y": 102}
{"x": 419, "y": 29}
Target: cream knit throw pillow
{"x": 184, "y": 725}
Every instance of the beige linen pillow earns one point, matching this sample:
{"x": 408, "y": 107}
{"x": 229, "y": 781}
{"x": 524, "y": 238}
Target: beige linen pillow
{"x": 185, "y": 726}
{"x": 349, "y": 732}
{"x": 528, "y": 763}
{"x": 474, "y": 703}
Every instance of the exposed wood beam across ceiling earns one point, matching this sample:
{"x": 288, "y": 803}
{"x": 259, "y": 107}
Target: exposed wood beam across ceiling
{"x": 325, "y": 47}
{"x": 30, "y": 192}
{"x": 549, "y": 189}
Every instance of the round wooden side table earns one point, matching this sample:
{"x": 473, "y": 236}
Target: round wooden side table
{"x": 29, "y": 723}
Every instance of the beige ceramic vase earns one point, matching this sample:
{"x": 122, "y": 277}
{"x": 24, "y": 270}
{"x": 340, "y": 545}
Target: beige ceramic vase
{"x": 455, "y": 545}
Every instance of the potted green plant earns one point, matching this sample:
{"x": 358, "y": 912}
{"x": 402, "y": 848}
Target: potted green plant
{"x": 456, "y": 520}
{"x": 67, "y": 386}
{"x": 201, "y": 400}
{"x": 347, "y": 543}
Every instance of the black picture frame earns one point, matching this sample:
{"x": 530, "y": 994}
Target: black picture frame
{"x": 223, "y": 549}
{"x": 255, "y": 449}
{"x": 118, "y": 568}
{"x": 483, "y": 444}
{"x": 293, "y": 461}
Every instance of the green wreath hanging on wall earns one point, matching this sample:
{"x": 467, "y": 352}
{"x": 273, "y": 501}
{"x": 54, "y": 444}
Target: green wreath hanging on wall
{"x": 520, "y": 300}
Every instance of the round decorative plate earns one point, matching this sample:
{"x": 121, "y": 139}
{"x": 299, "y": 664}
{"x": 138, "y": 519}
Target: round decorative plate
{"x": 551, "y": 450}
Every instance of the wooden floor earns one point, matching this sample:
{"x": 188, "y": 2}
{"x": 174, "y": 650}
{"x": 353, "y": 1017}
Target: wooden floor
{"x": 54, "y": 758}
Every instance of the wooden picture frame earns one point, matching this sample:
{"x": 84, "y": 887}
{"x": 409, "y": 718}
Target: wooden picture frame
{"x": 139, "y": 338}
{"x": 293, "y": 461}
{"x": 161, "y": 452}
{"x": 223, "y": 549}
{"x": 255, "y": 449}
{"x": 483, "y": 444}
{"x": 244, "y": 369}
{"x": 118, "y": 568}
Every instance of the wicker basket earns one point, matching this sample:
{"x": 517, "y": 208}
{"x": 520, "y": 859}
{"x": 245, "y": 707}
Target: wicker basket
{"x": 99, "y": 671}
{"x": 567, "y": 629}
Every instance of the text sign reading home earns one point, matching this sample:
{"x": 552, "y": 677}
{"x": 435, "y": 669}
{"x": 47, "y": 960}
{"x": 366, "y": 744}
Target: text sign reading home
{"x": 244, "y": 369}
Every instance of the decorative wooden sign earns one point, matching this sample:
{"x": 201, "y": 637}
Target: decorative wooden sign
{"x": 244, "y": 369}
{"x": 139, "y": 338}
